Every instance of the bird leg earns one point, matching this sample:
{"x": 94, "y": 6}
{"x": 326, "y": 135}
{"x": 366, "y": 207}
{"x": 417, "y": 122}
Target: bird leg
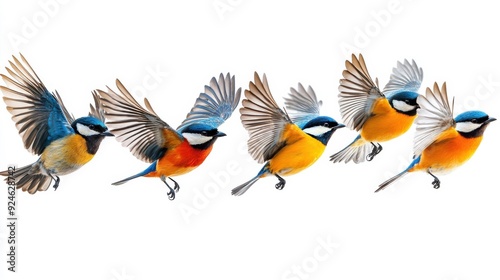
{"x": 436, "y": 183}
{"x": 56, "y": 184}
{"x": 171, "y": 192}
{"x": 176, "y": 185}
{"x": 375, "y": 151}
{"x": 281, "y": 184}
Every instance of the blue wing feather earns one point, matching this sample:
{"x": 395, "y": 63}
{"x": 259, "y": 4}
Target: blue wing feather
{"x": 40, "y": 116}
{"x": 215, "y": 105}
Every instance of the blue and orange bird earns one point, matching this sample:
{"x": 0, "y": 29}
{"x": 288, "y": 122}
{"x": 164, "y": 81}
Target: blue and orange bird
{"x": 47, "y": 128}
{"x": 286, "y": 144}
{"x": 442, "y": 142}
{"x": 378, "y": 116}
{"x": 171, "y": 152}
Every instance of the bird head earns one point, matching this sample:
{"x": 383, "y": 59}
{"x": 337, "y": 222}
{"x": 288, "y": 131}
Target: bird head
{"x": 90, "y": 126}
{"x": 93, "y": 130}
{"x": 201, "y": 136}
{"x": 322, "y": 128}
{"x": 405, "y": 102}
{"x": 472, "y": 123}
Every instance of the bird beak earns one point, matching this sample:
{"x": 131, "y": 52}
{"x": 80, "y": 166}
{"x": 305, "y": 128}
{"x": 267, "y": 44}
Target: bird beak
{"x": 220, "y": 134}
{"x": 490, "y": 120}
{"x": 107, "y": 133}
{"x": 339, "y": 126}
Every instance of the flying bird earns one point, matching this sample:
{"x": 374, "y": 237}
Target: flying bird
{"x": 63, "y": 143}
{"x": 442, "y": 142}
{"x": 378, "y": 116}
{"x": 170, "y": 152}
{"x": 286, "y": 144}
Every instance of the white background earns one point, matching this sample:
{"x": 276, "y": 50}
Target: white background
{"x": 89, "y": 229}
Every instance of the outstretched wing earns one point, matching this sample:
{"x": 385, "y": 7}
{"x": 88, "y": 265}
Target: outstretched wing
{"x": 263, "y": 119}
{"x": 357, "y": 94}
{"x": 139, "y": 129}
{"x": 405, "y": 76}
{"x": 96, "y": 110}
{"x": 40, "y": 116}
{"x": 302, "y": 105}
{"x": 434, "y": 116}
{"x": 216, "y": 104}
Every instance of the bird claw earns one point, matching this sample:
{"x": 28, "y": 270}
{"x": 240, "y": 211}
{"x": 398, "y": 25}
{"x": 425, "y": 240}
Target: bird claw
{"x": 436, "y": 184}
{"x": 171, "y": 193}
{"x": 375, "y": 151}
{"x": 56, "y": 184}
{"x": 176, "y": 185}
{"x": 280, "y": 186}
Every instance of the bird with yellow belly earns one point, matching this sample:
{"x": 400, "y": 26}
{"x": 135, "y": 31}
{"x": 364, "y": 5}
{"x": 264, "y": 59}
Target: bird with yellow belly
{"x": 378, "y": 116}
{"x": 286, "y": 144}
{"x": 442, "y": 142}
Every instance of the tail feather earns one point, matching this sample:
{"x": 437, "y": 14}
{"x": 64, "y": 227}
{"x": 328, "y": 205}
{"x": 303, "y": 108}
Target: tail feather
{"x": 27, "y": 181}
{"x": 148, "y": 170}
{"x": 391, "y": 180}
{"x": 398, "y": 176}
{"x": 241, "y": 189}
{"x": 356, "y": 151}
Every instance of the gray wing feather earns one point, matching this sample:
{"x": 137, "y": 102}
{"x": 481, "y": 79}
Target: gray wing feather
{"x": 357, "y": 94}
{"x": 141, "y": 130}
{"x": 96, "y": 110}
{"x": 216, "y": 104}
{"x": 263, "y": 119}
{"x": 405, "y": 76}
{"x": 40, "y": 116}
{"x": 434, "y": 116}
{"x": 302, "y": 105}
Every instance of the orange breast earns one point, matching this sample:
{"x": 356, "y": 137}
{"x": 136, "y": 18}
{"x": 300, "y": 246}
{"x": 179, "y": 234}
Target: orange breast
{"x": 180, "y": 160}
{"x": 385, "y": 123}
{"x": 449, "y": 151}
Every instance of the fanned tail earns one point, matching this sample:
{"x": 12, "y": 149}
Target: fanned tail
{"x": 27, "y": 181}
{"x": 357, "y": 151}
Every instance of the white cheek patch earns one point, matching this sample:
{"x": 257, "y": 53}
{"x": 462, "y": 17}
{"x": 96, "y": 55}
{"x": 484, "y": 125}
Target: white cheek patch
{"x": 467, "y": 126}
{"x": 403, "y": 106}
{"x": 195, "y": 138}
{"x": 85, "y": 130}
{"x": 317, "y": 130}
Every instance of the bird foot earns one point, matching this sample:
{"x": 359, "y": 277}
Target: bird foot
{"x": 56, "y": 184}
{"x": 436, "y": 184}
{"x": 170, "y": 193}
{"x": 176, "y": 185}
{"x": 280, "y": 185}
{"x": 375, "y": 151}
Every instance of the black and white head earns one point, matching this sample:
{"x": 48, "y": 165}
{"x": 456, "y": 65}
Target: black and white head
{"x": 405, "y": 102}
{"x": 472, "y": 123}
{"x": 201, "y": 136}
{"x": 321, "y": 128}
{"x": 93, "y": 130}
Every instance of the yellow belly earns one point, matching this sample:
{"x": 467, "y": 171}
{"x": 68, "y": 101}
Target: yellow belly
{"x": 385, "y": 123}
{"x": 300, "y": 152}
{"x": 66, "y": 155}
{"x": 449, "y": 151}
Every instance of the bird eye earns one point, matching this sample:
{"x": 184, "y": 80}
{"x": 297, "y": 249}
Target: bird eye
{"x": 92, "y": 126}
{"x": 204, "y": 133}
{"x": 326, "y": 125}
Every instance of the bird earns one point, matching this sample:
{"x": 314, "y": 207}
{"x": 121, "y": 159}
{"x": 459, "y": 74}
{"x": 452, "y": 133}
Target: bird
{"x": 378, "y": 115}
{"x": 47, "y": 129}
{"x": 170, "y": 152}
{"x": 286, "y": 144}
{"x": 442, "y": 142}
